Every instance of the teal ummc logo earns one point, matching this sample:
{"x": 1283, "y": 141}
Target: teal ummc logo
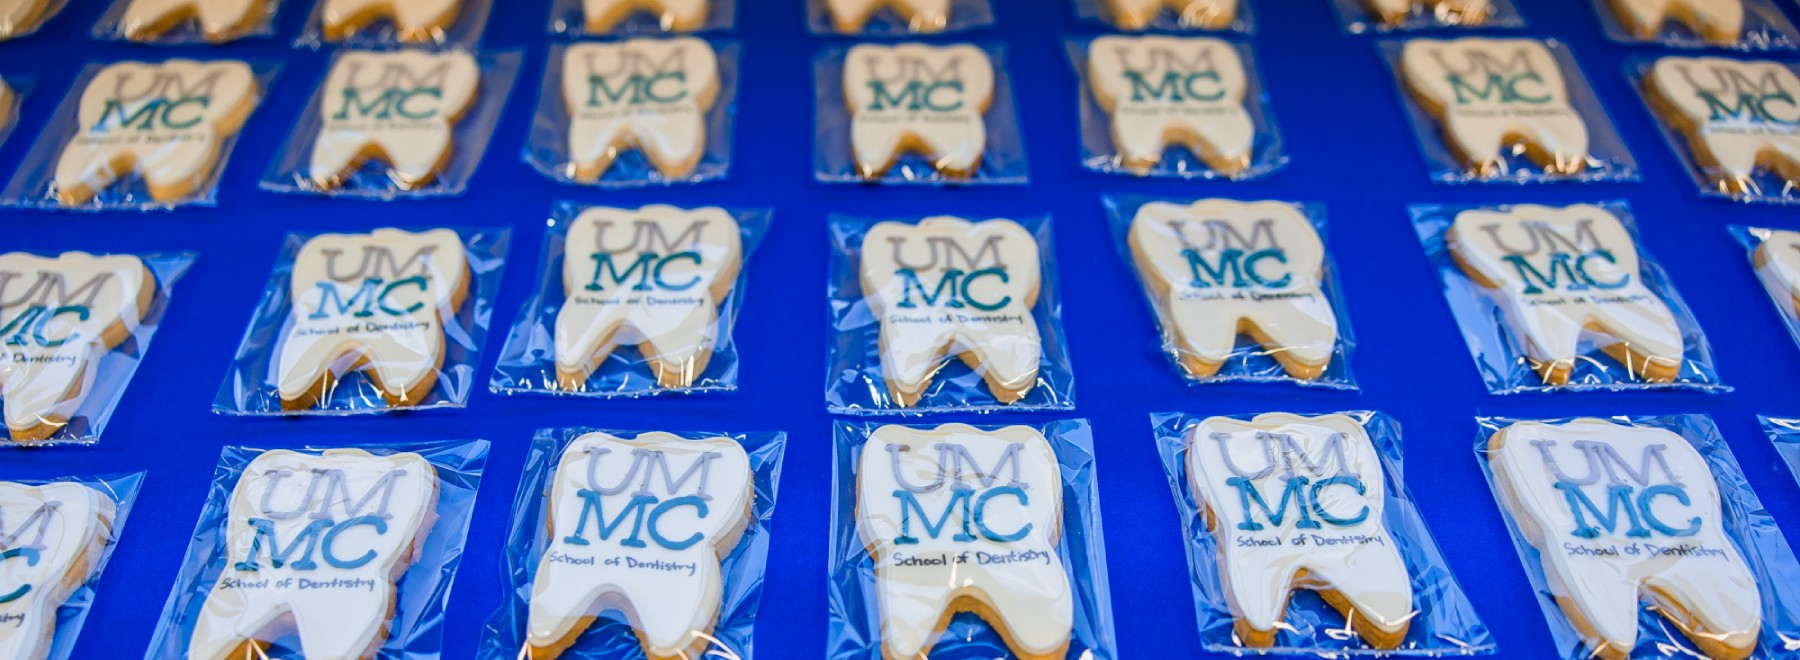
{"x": 645, "y": 508}
{"x": 167, "y": 102}
{"x": 380, "y": 284}
{"x": 332, "y": 509}
{"x": 1307, "y": 482}
{"x": 44, "y": 302}
{"x": 964, "y": 516}
{"x": 640, "y": 263}
{"x": 1640, "y": 499}
{"x": 915, "y": 86}
{"x": 1484, "y": 78}
{"x": 636, "y": 79}
{"x": 958, "y": 271}
{"x": 1220, "y": 255}
{"x": 1547, "y": 260}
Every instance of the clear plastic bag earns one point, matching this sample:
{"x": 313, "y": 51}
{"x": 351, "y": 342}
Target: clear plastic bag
{"x": 13, "y": 90}
{"x": 324, "y": 552}
{"x": 606, "y": 591}
{"x": 659, "y": 319}
{"x": 425, "y": 116}
{"x": 1016, "y": 534}
{"x": 386, "y": 336}
{"x": 454, "y": 24}
{"x": 1626, "y": 525}
{"x": 1785, "y": 433}
{"x": 1729, "y": 120}
{"x": 1747, "y": 25}
{"x": 1564, "y": 299}
{"x": 177, "y": 22}
{"x": 1365, "y": 528}
{"x": 1262, "y": 265}
{"x": 1161, "y": 15}
{"x": 916, "y": 113}
{"x": 896, "y": 18}
{"x": 635, "y": 17}
{"x": 1775, "y": 255}
{"x": 51, "y": 567}
{"x": 24, "y": 18}
{"x": 939, "y": 288}
{"x": 1360, "y": 16}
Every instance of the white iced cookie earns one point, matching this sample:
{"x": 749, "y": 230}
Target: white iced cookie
{"x": 51, "y": 538}
{"x": 946, "y": 286}
{"x": 400, "y": 107}
{"x": 314, "y": 544}
{"x": 1297, "y": 503}
{"x": 20, "y": 16}
{"x": 58, "y": 317}
{"x": 1171, "y": 90}
{"x": 1204, "y": 14}
{"x": 1738, "y": 116}
{"x": 1716, "y": 21}
{"x": 1559, "y": 274}
{"x": 166, "y": 122}
{"x": 1777, "y": 261}
{"x": 925, "y": 16}
{"x": 415, "y": 21}
{"x": 1622, "y": 514}
{"x": 1495, "y": 97}
{"x": 1217, "y": 269}
{"x": 639, "y": 525}
{"x": 1450, "y": 12}
{"x": 917, "y": 98}
{"x": 373, "y": 302}
{"x": 671, "y": 15}
{"x": 958, "y": 519}
{"x": 651, "y": 278}
{"x": 218, "y": 20}
{"x": 651, "y": 95}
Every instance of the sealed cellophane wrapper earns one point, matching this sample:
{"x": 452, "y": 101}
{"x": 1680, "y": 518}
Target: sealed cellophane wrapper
{"x": 1641, "y": 538}
{"x": 368, "y": 321}
{"x": 74, "y": 327}
{"x": 1775, "y": 256}
{"x": 1555, "y": 299}
{"x": 945, "y": 314}
{"x": 1322, "y": 553}
{"x": 1362, "y": 16}
{"x": 396, "y": 123}
{"x": 1505, "y": 110}
{"x": 633, "y": 302}
{"x": 1746, "y": 25}
{"x": 1164, "y": 16}
{"x": 633, "y": 17}
{"x": 1729, "y": 120}
{"x": 1242, "y": 291}
{"x": 13, "y": 89}
{"x": 60, "y": 534}
{"x": 175, "y": 120}
{"x": 1174, "y": 106}
{"x": 24, "y": 19}
{"x": 962, "y": 542}
{"x": 324, "y": 552}
{"x": 635, "y": 112}
{"x": 916, "y": 113}
{"x": 1785, "y": 433}
{"x": 179, "y": 24}
{"x": 456, "y": 24}
{"x": 896, "y": 18}
{"x": 685, "y": 583}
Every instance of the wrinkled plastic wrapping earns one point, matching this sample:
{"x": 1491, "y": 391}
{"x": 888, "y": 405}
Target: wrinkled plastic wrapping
{"x": 979, "y": 289}
{"x": 394, "y": 124}
{"x": 1209, "y": 268}
{"x": 380, "y": 24}
{"x": 889, "y": 578}
{"x": 1774, "y": 257}
{"x": 392, "y": 299}
{"x": 929, "y": 114}
{"x": 33, "y": 554}
{"x": 724, "y": 549}
{"x": 630, "y": 17}
{"x": 1732, "y": 152}
{"x": 170, "y": 24}
{"x": 1584, "y": 267}
{"x": 14, "y": 88}
{"x": 1360, "y": 16}
{"x": 654, "y": 292}
{"x": 896, "y": 18}
{"x": 228, "y": 106}
{"x": 650, "y": 111}
{"x": 1785, "y": 433}
{"x": 1662, "y": 474}
{"x": 345, "y": 514}
{"x": 1758, "y": 26}
{"x": 1136, "y": 15}
{"x": 14, "y": 28}
{"x": 1356, "y": 523}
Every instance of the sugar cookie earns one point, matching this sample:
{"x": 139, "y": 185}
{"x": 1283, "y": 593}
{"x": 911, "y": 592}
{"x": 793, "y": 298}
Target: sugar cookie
{"x": 1169, "y": 90}
{"x": 1777, "y": 261}
{"x": 59, "y": 316}
{"x": 1584, "y": 493}
{"x": 400, "y": 107}
{"x": 652, "y": 95}
{"x": 671, "y": 15}
{"x": 1738, "y": 116}
{"x": 57, "y": 536}
{"x": 167, "y": 122}
{"x": 1217, "y": 269}
{"x": 1559, "y": 274}
{"x": 685, "y": 523}
{"x": 1203, "y": 14}
{"x": 314, "y": 544}
{"x": 1493, "y": 96}
{"x": 1452, "y": 12}
{"x": 20, "y": 16}
{"x": 918, "y": 98}
{"x": 924, "y": 16}
{"x": 415, "y": 21}
{"x": 219, "y": 20}
{"x": 373, "y": 302}
{"x": 1716, "y": 21}
{"x": 7, "y": 102}
{"x": 925, "y": 497}
{"x": 948, "y": 286}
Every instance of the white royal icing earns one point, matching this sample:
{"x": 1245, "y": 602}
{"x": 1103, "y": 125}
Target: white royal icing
{"x": 651, "y": 95}
{"x": 401, "y": 107}
{"x": 1738, "y": 115}
{"x": 851, "y": 16}
{"x": 1718, "y": 21}
{"x": 17, "y": 16}
{"x": 414, "y": 20}
{"x": 51, "y": 538}
{"x": 219, "y": 20}
{"x": 672, "y": 15}
{"x": 1460, "y": 12}
{"x": 639, "y": 525}
{"x": 58, "y": 316}
{"x": 1162, "y": 90}
{"x": 1493, "y": 96}
{"x": 1208, "y": 14}
{"x": 918, "y": 98}
{"x": 960, "y": 519}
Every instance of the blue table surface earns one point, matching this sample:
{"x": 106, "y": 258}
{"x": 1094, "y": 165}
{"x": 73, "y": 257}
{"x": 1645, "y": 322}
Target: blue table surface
{"x": 1352, "y": 149}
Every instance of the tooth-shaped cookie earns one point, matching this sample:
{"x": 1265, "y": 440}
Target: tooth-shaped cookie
{"x": 167, "y": 122}
{"x": 651, "y": 95}
{"x": 948, "y": 286}
{"x": 400, "y": 107}
{"x": 672, "y": 15}
{"x": 1297, "y": 503}
{"x": 51, "y": 538}
{"x": 652, "y": 278}
{"x": 314, "y": 544}
{"x": 1716, "y": 21}
{"x": 1558, "y": 273}
{"x": 1737, "y": 115}
{"x": 415, "y": 21}
{"x": 851, "y": 16}
{"x": 918, "y": 98}
{"x": 1452, "y": 12}
{"x": 58, "y": 317}
{"x": 958, "y": 519}
{"x": 1777, "y": 261}
{"x": 1620, "y": 514}
{"x": 19, "y": 16}
{"x": 1162, "y": 90}
{"x": 1492, "y": 96}
{"x": 219, "y": 20}
{"x": 1217, "y": 269}
{"x": 373, "y": 302}
{"x": 1205, "y": 14}
{"x": 672, "y": 509}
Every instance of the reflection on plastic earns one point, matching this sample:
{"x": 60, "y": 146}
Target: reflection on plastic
{"x": 63, "y": 533}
